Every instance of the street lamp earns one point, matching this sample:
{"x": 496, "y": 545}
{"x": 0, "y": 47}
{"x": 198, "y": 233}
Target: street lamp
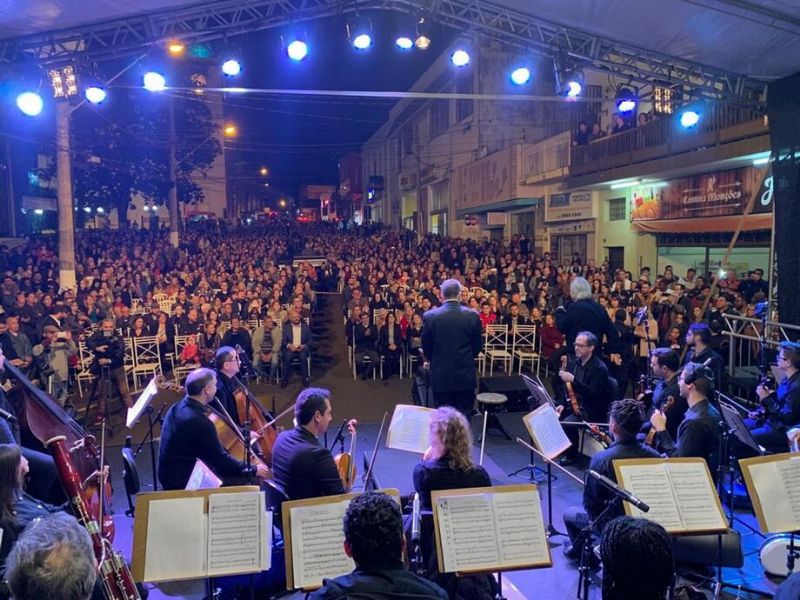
{"x": 230, "y": 130}
{"x": 264, "y": 171}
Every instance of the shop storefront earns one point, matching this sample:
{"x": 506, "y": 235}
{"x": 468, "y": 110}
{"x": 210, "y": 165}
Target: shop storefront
{"x": 570, "y": 221}
{"x": 694, "y": 218}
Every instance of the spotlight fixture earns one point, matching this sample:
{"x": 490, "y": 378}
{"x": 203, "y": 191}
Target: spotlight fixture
{"x": 30, "y": 103}
{"x": 423, "y": 39}
{"x": 626, "y": 100}
{"x": 63, "y": 81}
{"x": 460, "y": 58}
{"x": 154, "y": 82}
{"x": 404, "y": 42}
{"x": 297, "y": 50}
{"x": 689, "y": 118}
{"x": 176, "y": 47}
{"x": 231, "y": 67}
{"x": 569, "y": 80}
{"x": 359, "y": 31}
{"x": 520, "y": 76}
{"x": 95, "y": 94}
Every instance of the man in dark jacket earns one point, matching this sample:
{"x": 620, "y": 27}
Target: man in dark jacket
{"x": 188, "y": 436}
{"x": 108, "y": 366}
{"x": 451, "y": 340}
{"x": 584, "y": 314}
{"x": 373, "y": 538}
{"x": 295, "y": 343}
{"x": 300, "y": 465}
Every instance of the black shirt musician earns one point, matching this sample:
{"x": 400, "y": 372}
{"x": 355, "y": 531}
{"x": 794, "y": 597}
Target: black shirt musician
{"x": 226, "y": 361}
{"x": 781, "y": 407}
{"x": 698, "y": 337}
{"x": 625, "y": 420}
{"x": 665, "y": 364}
{"x": 188, "y": 435}
{"x": 699, "y": 432}
{"x": 300, "y": 465}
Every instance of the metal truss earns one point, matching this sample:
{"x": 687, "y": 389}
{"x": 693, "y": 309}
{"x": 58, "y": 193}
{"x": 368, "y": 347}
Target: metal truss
{"x": 228, "y": 18}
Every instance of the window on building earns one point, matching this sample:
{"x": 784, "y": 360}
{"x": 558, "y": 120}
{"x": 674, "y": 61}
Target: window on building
{"x": 464, "y": 107}
{"x": 662, "y": 100}
{"x": 407, "y": 140}
{"x": 439, "y": 117}
{"x": 617, "y": 209}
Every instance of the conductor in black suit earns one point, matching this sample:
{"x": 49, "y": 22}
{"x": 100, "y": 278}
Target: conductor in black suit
{"x": 585, "y": 314}
{"x": 451, "y": 339}
{"x": 300, "y": 465}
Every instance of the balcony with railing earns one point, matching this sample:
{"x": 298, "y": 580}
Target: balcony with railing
{"x": 662, "y": 138}
{"x": 547, "y": 160}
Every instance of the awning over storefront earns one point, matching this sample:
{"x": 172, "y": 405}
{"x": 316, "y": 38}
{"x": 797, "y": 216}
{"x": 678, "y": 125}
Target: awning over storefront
{"x": 503, "y": 206}
{"x": 709, "y": 225}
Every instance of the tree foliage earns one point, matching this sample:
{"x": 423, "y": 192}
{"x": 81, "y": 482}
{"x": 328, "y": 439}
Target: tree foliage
{"x": 121, "y": 148}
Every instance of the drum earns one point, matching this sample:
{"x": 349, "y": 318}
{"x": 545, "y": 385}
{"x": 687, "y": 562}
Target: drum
{"x": 773, "y": 554}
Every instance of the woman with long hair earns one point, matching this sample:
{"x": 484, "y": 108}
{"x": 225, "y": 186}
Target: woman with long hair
{"x": 447, "y": 464}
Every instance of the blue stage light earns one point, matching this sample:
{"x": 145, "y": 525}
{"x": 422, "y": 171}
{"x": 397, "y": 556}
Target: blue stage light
{"x": 404, "y": 42}
{"x": 689, "y": 118}
{"x": 231, "y": 67}
{"x": 154, "y": 82}
{"x": 95, "y": 94}
{"x": 297, "y": 50}
{"x": 30, "y": 103}
{"x": 520, "y": 75}
{"x": 460, "y": 58}
{"x": 362, "y": 41}
{"x": 574, "y": 88}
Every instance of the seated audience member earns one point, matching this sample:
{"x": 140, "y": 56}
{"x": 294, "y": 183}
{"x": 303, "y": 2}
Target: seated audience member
{"x": 373, "y": 538}
{"x": 637, "y": 560}
{"x": 53, "y": 558}
{"x": 389, "y": 345}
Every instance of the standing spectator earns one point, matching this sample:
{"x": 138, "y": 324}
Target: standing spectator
{"x": 53, "y": 355}
{"x": 597, "y": 132}
{"x": 582, "y": 136}
{"x": 108, "y": 367}
{"x": 451, "y": 340}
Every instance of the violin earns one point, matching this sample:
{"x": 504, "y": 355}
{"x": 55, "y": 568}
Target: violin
{"x": 600, "y": 435}
{"x": 651, "y": 435}
{"x": 573, "y": 399}
{"x": 346, "y": 461}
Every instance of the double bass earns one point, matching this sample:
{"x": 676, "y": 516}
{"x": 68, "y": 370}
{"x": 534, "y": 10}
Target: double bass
{"x": 46, "y": 420}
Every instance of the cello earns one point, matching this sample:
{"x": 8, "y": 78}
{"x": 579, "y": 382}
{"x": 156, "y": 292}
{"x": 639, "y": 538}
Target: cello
{"x": 46, "y": 420}
{"x": 261, "y": 421}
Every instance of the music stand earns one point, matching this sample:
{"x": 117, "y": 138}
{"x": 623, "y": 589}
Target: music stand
{"x": 733, "y": 424}
{"x": 143, "y": 405}
{"x": 541, "y": 397}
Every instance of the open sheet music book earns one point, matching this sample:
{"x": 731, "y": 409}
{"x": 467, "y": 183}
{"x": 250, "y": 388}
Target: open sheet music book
{"x": 409, "y": 428}
{"x": 546, "y": 431}
{"x": 490, "y": 529}
{"x": 193, "y": 535}
{"x": 774, "y": 486}
{"x": 679, "y": 492}
{"x": 314, "y": 539}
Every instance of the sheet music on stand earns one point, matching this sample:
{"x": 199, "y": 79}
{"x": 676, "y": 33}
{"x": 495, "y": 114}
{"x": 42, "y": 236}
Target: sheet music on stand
{"x": 773, "y": 483}
{"x": 490, "y": 529}
{"x": 409, "y": 428}
{"x": 136, "y": 411}
{"x": 182, "y": 535}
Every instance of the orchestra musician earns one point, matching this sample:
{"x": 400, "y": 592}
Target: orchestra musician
{"x": 781, "y": 407}
{"x": 625, "y": 420}
{"x": 300, "y": 465}
{"x": 665, "y": 365}
{"x": 699, "y": 432}
{"x": 188, "y": 435}
{"x": 227, "y": 365}
{"x": 698, "y": 337}
{"x": 588, "y": 376}
{"x": 447, "y": 464}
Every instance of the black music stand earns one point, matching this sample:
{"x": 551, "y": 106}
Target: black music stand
{"x": 540, "y": 397}
{"x": 143, "y": 405}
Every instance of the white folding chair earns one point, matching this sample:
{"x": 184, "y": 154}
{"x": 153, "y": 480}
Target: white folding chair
{"x": 146, "y": 358}
{"x": 495, "y": 348}
{"x": 524, "y": 347}
{"x": 85, "y": 360}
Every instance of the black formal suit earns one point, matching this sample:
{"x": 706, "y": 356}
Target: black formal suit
{"x": 188, "y": 435}
{"x": 587, "y": 315}
{"x": 451, "y": 339}
{"x": 303, "y": 467}
{"x": 663, "y": 391}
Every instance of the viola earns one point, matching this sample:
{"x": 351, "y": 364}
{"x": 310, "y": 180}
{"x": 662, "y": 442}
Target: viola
{"x": 651, "y": 435}
{"x": 346, "y": 461}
